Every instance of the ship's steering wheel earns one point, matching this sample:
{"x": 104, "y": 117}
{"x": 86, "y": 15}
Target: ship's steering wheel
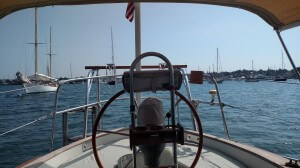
{"x": 103, "y": 109}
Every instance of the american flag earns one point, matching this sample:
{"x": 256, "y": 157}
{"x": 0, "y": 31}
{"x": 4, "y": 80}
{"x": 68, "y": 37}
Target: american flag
{"x": 130, "y": 11}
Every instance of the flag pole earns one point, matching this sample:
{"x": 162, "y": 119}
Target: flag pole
{"x": 138, "y": 42}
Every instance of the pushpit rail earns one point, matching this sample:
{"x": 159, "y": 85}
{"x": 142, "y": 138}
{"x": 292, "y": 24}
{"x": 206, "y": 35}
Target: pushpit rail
{"x": 95, "y": 107}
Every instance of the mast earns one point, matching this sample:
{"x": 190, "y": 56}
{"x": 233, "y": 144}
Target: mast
{"x": 137, "y": 21}
{"x": 48, "y": 70}
{"x": 71, "y": 70}
{"x": 112, "y": 51}
{"x": 252, "y": 66}
{"x": 282, "y": 64}
{"x": 36, "y": 43}
{"x": 50, "y": 54}
{"x": 217, "y": 60}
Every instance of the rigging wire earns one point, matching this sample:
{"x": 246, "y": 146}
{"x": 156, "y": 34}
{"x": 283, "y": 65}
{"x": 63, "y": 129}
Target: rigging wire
{"x": 29, "y": 123}
{"x": 209, "y": 103}
{"x": 25, "y": 60}
{"x": 263, "y": 113}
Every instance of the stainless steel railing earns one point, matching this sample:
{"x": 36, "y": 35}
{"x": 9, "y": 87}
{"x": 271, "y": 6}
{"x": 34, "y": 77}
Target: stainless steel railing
{"x": 95, "y": 107}
{"x": 88, "y": 107}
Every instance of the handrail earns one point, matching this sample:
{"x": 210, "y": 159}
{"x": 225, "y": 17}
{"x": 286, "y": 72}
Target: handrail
{"x": 127, "y": 67}
{"x": 85, "y": 78}
{"x": 89, "y": 85}
{"x": 188, "y": 89}
{"x": 78, "y": 108}
{"x": 221, "y": 106}
{"x": 97, "y": 104}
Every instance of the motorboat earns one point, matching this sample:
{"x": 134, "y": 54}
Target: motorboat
{"x": 166, "y": 144}
{"x": 281, "y": 79}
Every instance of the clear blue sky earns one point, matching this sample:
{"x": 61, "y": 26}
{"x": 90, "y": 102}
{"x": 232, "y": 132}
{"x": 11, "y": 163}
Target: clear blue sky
{"x": 186, "y": 33}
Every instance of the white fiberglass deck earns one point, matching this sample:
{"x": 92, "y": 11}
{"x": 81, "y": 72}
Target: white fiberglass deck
{"x": 111, "y": 152}
{"x": 216, "y": 152}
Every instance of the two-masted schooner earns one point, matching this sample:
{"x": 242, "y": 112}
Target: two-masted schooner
{"x": 38, "y": 82}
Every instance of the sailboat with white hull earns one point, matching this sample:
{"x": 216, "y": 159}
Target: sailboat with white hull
{"x": 218, "y": 79}
{"x": 38, "y": 82}
{"x": 111, "y": 68}
{"x": 251, "y": 77}
{"x": 281, "y": 78}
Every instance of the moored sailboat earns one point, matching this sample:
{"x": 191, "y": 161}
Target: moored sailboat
{"x": 111, "y": 68}
{"x": 38, "y": 83}
{"x": 217, "y": 76}
{"x": 281, "y": 77}
{"x": 252, "y": 77}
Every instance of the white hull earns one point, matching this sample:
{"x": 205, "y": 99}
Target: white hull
{"x": 39, "y": 88}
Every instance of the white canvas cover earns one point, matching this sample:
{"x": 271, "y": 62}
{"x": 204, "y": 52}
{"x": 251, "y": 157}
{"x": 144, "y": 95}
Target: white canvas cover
{"x": 150, "y": 112}
{"x": 41, "y": 77}
{"x": 280, "y": 14}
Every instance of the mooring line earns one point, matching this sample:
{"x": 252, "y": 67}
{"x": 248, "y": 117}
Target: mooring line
{"x": 263, "y": 113}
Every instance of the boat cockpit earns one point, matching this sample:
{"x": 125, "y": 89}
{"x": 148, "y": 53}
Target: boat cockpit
{"x": 155, "y": 136}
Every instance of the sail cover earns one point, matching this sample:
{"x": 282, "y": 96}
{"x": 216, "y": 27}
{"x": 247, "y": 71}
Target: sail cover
{"x": 280, "y": 14}
{"x": 41, "y": 77}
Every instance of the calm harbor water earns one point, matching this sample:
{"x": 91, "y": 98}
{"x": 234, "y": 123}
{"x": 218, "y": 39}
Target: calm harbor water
{"x": 268, "y": 117}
